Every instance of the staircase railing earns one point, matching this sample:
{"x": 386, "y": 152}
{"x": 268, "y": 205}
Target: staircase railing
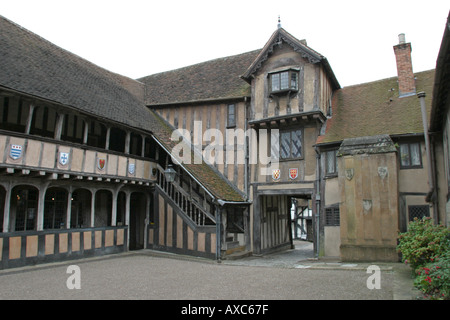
{"x": 184, "y": 200}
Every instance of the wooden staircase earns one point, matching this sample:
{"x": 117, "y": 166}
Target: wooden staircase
{"x": 183, "y": 200}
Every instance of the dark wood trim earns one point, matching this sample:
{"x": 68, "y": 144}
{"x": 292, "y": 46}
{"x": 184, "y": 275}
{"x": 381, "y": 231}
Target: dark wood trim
{"x": 41, "y": 257}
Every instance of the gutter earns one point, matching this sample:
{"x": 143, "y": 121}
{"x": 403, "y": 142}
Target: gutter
{"x": 223, "y": 202}
{"x": 196, "y": 102}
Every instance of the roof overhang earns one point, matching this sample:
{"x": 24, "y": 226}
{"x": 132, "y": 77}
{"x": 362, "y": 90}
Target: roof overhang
{"x": 442, "y": 82}
{"x": 298, "y": 46}
{"x": 290, "y": 119}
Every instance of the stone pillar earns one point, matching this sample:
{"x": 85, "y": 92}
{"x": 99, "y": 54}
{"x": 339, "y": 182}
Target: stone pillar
{"x": 369, "y": 209}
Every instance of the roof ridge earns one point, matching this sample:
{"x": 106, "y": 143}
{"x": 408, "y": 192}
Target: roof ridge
{"x": 384, "y": 79}
{"x": 53, "y": 45}
{"x": 197, "y": 64}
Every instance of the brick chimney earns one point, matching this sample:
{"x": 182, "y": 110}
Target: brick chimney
{"x": 406, "y": 81}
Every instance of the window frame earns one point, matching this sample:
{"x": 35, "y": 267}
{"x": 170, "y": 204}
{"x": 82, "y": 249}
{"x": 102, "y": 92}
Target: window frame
{"x": 424, "y": 207}
{"x": 408, "y": 145}
{"x": 13, "y": 114}
{"x": 231, "y": 124}
{"x": 78, "y": 128}
{"x": 290, "y": 131}
{"x": 44, "y": 121}
{"x": 327, "y": 172}
{"x": 332, "y": 216}
{"x": 289, "y": 87}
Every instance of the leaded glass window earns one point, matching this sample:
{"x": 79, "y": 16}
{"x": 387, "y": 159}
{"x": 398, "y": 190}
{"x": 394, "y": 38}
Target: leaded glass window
{"x": 284, "y": 81}
{"x": 291, "y": 143}
{"x": 331, "y": 164}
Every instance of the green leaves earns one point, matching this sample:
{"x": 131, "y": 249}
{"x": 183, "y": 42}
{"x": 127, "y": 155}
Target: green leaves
{"x": 426, "y": 247}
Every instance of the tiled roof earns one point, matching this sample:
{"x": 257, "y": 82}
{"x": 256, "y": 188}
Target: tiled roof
{"x": 375, "y": 108}
{"x": 210, "y": 80}
{"x": 32, "y": 65}
{"x": 217, "y": 185}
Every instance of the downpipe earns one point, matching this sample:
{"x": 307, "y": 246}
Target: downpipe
{"x": 317, "y": 199}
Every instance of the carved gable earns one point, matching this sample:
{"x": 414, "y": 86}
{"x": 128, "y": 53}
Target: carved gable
{"x": 287, "y": 78}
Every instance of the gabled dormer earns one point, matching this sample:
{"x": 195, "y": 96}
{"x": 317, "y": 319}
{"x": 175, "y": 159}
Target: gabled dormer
{"x": 289, "y": 78}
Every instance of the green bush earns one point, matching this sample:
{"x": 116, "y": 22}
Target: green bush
{"x": 423, "y": 242}
{"x": 426, "y": 248}
{"x": 434, "y": 278}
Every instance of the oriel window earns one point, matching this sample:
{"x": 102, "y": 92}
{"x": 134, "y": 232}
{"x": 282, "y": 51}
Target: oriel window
{"x": 284, "y": 81}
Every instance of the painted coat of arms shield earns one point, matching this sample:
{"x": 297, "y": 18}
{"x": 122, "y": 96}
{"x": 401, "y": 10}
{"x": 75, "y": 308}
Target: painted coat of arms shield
{"x": 293, "y": 173}
{"x": 276, "y": 174}
{"x": 63, "y": 158}
{"x": 101, "y": 163}
{"x": 15, "y": 151}
{"x": 131, "y": 168}
{"x": 349, "y": 174}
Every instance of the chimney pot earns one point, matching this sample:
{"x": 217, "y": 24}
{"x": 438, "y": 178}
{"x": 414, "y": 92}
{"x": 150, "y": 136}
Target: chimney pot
{"x": 401, "y": 38}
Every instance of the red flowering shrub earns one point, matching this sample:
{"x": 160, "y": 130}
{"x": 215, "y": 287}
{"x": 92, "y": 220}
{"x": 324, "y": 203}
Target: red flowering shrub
{"x": 426, "y": 247}
{"x": 434, "y": 278}
{"x": 423, "y": 242}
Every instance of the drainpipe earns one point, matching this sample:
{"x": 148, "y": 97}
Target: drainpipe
{"x": 317, "y": 218}
{"x": 246, "y": 150}
{"x": 431, "y": 194}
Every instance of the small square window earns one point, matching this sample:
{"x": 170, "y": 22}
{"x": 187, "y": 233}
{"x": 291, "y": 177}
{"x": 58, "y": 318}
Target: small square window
{"x": 410, "y": 155}
{"x": 332, "y": 217}
{"x": 419, "y": 212}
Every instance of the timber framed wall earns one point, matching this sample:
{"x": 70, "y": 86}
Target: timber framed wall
{"x": 172, "y": 231}
{"x": 19, "y": 249}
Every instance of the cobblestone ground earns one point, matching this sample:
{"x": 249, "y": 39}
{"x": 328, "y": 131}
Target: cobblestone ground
{"x": 143, "y": 276}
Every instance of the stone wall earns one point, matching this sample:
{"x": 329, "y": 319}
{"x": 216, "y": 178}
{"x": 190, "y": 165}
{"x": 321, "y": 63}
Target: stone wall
{"x": 368, "y": 183}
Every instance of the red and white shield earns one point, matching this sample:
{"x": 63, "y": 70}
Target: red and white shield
{"x": 276, "y": 174}
{"x": 293, "y": 173}
{"x": 101, "y": 163}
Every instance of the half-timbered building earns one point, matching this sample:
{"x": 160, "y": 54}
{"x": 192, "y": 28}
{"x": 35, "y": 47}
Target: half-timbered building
{"x": 210, "y": 159}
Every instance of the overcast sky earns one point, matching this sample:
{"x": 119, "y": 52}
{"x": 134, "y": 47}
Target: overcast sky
{"x": 136, "y": 38}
